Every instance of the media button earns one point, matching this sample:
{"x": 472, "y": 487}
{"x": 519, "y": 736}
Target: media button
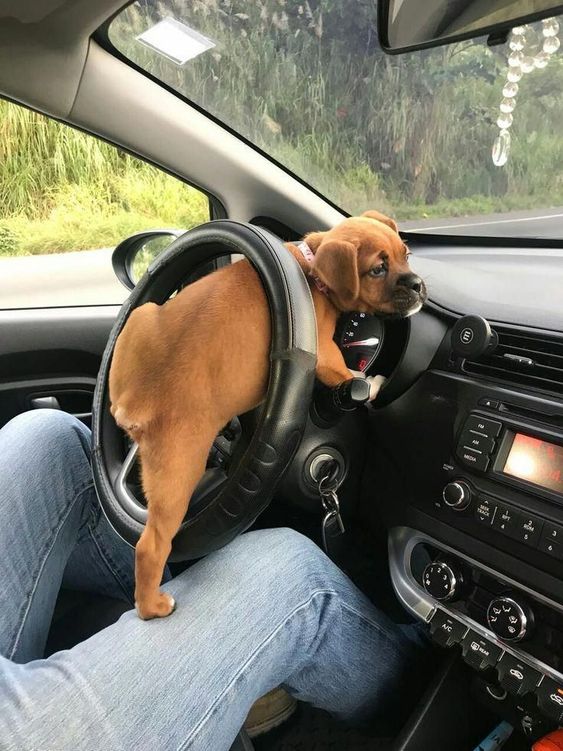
{"x": 473, "y": 458}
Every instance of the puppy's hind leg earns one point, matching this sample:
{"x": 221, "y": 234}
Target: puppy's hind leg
{"x": 172, "y": 464}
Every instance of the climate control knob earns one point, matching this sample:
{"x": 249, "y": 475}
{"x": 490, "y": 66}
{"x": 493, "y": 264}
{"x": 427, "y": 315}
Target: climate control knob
{"x": 457, "y": 495}
{"x": 442, "y": 580}
{"x": 508, "y": 619}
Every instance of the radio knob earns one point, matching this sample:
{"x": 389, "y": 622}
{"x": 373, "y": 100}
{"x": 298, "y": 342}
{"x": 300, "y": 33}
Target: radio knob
{"x": 442, "y": 580}
{"x": 508, "y": 619}
{"x": 457, "y": 495}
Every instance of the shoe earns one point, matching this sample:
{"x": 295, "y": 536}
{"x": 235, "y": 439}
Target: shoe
{"x": 269, "y": 711}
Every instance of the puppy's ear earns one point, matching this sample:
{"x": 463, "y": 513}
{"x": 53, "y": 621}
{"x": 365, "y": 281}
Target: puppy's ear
{"x": 382, "y": 218}
{"x": 336, "y": 264}
{"x": 314, "y": 239}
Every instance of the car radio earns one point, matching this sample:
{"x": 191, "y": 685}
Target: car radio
{"x": 532, "y": 461}
{"x": 503, "y": 472}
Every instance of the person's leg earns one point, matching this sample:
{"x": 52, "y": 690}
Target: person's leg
{"x": 47, "y": 506}
{"x": 268, "y": 609}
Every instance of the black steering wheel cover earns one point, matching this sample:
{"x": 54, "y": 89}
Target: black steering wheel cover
{"x": 250, "y": 486}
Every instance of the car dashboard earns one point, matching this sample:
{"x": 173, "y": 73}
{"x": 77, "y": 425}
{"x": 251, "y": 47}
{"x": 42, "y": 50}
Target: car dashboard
{"x": 465, "y": 467}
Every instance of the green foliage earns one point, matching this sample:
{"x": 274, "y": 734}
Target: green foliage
{"x": 307, "y": 81}
{"x": 9, "y": 241}
{"x": 63, "y": 190}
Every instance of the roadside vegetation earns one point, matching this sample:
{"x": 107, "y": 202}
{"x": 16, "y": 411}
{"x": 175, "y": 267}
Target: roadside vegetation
{"x": 62, "y": 190}
{"x": 411, "y": 134}
{"x": 306, "y": 81}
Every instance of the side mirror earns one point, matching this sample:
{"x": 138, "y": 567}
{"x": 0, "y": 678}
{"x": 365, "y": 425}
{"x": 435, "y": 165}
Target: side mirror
{"x": 132, "y": 257}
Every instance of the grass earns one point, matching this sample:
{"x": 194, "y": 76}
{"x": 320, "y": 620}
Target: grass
{"x": 79, "y": 220}
{"x": 62, "y": 190}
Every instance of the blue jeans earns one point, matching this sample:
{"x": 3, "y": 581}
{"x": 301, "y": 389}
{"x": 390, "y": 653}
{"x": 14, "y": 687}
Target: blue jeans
{"x": 268, "y": 609}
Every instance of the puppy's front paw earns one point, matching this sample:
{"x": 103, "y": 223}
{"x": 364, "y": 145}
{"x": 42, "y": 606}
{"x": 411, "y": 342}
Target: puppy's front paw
{"x": 375, "y": 384}
{"x": 358, "y": 374}
{"x": 159, "y": 607}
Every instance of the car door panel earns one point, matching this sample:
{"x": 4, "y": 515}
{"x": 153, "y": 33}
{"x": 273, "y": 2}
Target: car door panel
{"x": 50, "y": 358}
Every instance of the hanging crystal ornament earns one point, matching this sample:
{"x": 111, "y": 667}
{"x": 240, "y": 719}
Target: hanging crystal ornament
{"x": 550, "y": 27}
{"x": 514, "y": 75}
{"x": 529, "y": 49}
{"x": 501, "y": 147}
{"x": 551, "y": 45}
{"x": 510, "y": 89}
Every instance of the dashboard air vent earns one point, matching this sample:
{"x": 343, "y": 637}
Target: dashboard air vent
{"x": 533, "y": 360}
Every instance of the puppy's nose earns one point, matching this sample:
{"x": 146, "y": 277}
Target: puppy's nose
{"x": 411, "y": 281}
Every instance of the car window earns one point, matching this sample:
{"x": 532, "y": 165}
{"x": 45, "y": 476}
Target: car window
{"x": 432, "y": 137}
{"x": 66, "y": 200}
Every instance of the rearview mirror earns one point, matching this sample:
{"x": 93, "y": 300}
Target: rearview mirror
{"x": 132, "y": 257}
{"x": 405, "y": 25}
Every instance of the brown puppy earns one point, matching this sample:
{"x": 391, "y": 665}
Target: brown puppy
{"x": 183, "y": 370}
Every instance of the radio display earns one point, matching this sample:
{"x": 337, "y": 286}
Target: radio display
{"x": 536, "y": 461}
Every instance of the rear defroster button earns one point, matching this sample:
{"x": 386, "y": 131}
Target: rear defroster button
{"x": 478, "y": 652}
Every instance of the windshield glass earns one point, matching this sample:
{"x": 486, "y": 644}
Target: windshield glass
{"x": 410, "y": 135}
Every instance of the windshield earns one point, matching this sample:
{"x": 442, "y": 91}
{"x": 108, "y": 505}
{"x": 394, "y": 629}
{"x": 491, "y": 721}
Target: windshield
{"x": 410, "y": 135}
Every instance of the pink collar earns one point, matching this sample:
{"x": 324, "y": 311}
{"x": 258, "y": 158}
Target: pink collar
{"x": 309, "y": 256}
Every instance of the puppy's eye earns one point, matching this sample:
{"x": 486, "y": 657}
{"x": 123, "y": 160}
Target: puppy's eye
{"x": 376, "y": 271}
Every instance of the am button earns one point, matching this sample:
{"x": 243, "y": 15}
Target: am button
{"x": 477, "y": 441}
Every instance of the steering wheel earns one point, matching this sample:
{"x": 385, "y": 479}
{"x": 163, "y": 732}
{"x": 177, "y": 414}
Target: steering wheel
{"x": 224, "y": 504}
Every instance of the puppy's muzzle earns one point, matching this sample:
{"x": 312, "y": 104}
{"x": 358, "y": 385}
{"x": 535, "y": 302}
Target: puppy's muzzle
{"x": 410, "y": 294}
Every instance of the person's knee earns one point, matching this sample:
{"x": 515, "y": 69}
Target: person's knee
{"x": 48, "y": 430}
{"x": 288, "y": 555}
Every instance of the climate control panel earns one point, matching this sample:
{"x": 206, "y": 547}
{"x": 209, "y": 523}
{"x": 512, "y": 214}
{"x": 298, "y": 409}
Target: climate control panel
{"x": 509, "y": 619}
{"x": 512, "y": 638}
